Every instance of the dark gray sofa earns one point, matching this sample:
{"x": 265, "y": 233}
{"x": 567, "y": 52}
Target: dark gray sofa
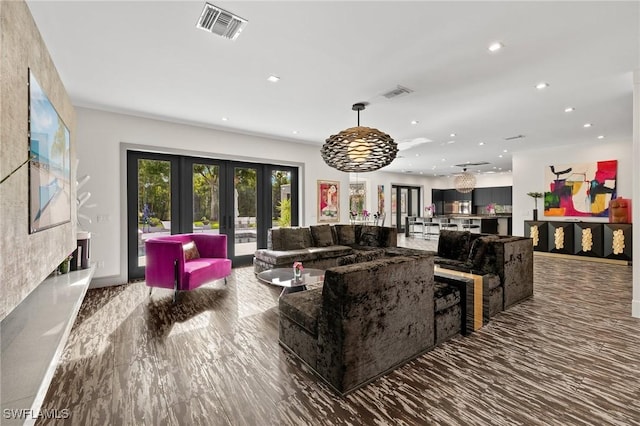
{"x": 324, "y": 246}
{"x": 367, "y": 319}
{"x": 508, "y": 257}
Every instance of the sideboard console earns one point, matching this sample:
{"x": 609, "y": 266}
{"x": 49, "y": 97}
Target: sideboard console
{"x": 590, "y": 239}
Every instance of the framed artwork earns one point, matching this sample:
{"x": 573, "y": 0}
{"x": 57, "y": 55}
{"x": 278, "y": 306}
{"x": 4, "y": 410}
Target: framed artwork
{"x": 49, "y": 169}
{"x": 357, "y": 197}
{"x": 581, "y": 189}
{"x": 380, "y": 199}
{"x": 328, "y": 201}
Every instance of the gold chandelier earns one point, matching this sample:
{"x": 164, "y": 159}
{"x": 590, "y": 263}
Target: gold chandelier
{"x": 464, "y": 182}
{"x": 359, "y": 149}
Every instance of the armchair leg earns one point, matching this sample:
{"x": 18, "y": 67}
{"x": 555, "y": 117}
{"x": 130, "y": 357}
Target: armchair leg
{"x": 150, "y": 290}
{"x": 225, "y": 280}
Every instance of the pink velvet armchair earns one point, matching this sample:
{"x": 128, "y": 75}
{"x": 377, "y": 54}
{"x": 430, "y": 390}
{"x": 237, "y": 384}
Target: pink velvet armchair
{"x": 186, "y": 261}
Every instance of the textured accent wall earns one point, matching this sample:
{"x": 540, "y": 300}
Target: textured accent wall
{"x": 26, "y": 260}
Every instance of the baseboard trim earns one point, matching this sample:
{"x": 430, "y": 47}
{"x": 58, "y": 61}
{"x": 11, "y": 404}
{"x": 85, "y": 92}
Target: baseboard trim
{"x": 584, "y": 258}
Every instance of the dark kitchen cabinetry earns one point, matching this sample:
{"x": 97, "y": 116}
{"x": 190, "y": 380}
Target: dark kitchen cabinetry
{"x": 500, "y": 195}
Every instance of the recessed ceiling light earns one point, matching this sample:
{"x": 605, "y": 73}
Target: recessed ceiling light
{"x": 500, "y": 168}
{"x": 444, "y": 159}
{"x": 569, "y": 109}
{"x": 453, "y": 135}
{"x": 504, "y": 150}
{"x": 273, "y": 79}
{"x": 224, "y": 118}
{"x": 494, "y": 167}
{"x": 414, "y": 121}
{"x": 417, "y": 155}
{"x": 480, "y": 143}
{"x": 450, "y": 142}
{"x": 295, "y": 132}
{"x": 421, "y": 173}
{"x": 542, "y": 85}
{"x": 494, "y": 47}
{"x": 500, "y": 156}
{"x": 586, "y": 125}
{"x": 601, "y": 137}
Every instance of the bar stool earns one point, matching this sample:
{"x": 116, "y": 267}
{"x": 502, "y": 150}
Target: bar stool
{"x": 468, "y": 225}
{"x": 449, "y": 226}
{"x": 427, "y": 231}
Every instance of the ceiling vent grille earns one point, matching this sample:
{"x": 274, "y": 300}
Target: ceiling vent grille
{"x": 512, "y": 138}
{"x": 398, "y": 91}
{"x": 219, "y": 21}
{"x": 479, "y": 163}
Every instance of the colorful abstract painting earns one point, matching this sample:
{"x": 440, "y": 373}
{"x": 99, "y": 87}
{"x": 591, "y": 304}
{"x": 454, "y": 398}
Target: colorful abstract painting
{"x": 49, "y": 170}
{"x": 580, "y": 189}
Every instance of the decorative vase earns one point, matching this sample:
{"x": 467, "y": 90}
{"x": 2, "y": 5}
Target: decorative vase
{"x": 63, "y": 268}
{"x": 297, "y": 273}
{"x": 535, "y": 214}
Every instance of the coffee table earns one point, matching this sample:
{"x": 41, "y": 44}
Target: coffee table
{"x": 283, "y": 277}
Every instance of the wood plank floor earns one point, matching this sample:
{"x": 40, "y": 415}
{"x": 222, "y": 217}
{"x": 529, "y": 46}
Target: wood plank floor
{"x": 569, "y": 356}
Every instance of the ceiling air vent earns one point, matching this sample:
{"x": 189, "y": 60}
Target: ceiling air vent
{"x": 398, "y": 91}
{"x": 479, "y": 163}
{"x": 512, "y": 138}
{"x": 219, "y": 21}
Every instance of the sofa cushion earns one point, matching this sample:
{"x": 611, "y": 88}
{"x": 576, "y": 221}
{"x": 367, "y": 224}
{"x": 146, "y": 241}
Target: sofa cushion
{"x": 190, "y": 251}
{"x": 294, "y": 238}
{"x": 369, "y": 236}
{"x": 445, "y": 296}
{"x": 284, "y": 258}
{"x": 322, "y": 236}
{"x": 454, "y": 244}
{"x": 346, "y": 234}
{"x": 330, "y": 252}
{"x": 303, "y": 309}
{"x": 479, "y": 250}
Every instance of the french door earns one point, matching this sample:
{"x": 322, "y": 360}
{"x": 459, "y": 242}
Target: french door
{"x": 405, "y": 201}
{"x": 169, "y": 194}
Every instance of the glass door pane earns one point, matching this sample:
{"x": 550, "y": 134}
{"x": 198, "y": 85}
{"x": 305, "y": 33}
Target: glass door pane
{"x": 206, "y": 198}
{"x": 153, "y": 202}
{"x": 245, "y": 226}
{"x": 281, "y": 198}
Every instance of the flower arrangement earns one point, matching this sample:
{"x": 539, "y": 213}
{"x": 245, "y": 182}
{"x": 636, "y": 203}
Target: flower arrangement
{"x": 365, "y": 214}
{"x": 491, "y": 208}
{"x": 353, "y": 214}
{"x": 297, "y": 269}
{"x": 430, "y": 210}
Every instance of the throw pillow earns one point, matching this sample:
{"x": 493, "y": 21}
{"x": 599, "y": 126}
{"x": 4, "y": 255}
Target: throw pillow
{"x": 479, "y": 251}
{"x": 293, "y": 238}
{"x": 346, "y": 234}
{"x": 322, "y": 235}
{"x": 190, "y": 251}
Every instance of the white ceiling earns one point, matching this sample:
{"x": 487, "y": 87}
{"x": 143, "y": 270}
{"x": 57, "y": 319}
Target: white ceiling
{"x": 148, "y": 58}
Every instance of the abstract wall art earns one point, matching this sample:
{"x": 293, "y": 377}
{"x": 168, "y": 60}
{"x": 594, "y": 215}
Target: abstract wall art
{"x": 580, "y": 189}
{"x": 49, "y": 169}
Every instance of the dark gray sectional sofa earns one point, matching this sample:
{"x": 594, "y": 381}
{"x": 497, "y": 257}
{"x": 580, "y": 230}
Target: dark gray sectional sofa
{"x": 367, "y": 319}
{"x": 381, "y": 305}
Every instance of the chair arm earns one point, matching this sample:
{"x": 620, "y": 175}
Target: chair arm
{"x": 161, "y": 255}
{"x": 211, "y": 245}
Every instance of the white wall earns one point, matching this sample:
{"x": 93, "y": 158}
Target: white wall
{"x": 102, "y": 141}
{"x": 529, "y": 171}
